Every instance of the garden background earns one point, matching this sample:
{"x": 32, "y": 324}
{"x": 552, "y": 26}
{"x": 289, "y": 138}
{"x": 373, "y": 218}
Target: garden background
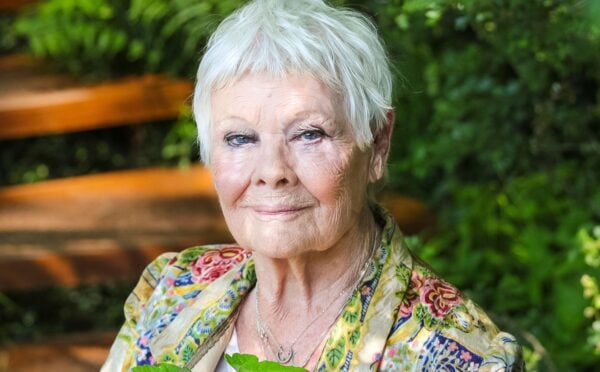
{"x": 497, "y": 131}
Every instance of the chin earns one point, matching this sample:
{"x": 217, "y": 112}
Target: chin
{"x": 280, "y": 246}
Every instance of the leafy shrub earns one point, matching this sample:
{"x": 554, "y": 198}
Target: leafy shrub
{"x": 31, "y": 316}
{"x": 104, "y": 38}
{"x": 497, "y": 128}
{"x": 55, "y": 156}
{"x": 590, "y": 245}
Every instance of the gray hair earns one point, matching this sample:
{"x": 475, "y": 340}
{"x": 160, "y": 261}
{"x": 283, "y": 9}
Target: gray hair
{"x": 337, "y": 46}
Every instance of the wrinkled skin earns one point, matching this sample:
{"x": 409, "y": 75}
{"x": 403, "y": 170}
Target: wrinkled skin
{"x": 288, "y": 172}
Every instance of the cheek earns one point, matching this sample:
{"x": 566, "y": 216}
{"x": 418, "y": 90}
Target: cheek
{"x": 231, "y": 175}
{"x": 329, "y": 175}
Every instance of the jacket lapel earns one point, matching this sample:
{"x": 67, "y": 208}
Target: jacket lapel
{"x": 359, "y": 337}
{"x": 207, "y": 322}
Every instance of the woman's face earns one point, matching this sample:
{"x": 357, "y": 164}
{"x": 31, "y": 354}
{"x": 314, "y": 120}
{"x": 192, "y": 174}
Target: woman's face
{"x": 289, "y": 175}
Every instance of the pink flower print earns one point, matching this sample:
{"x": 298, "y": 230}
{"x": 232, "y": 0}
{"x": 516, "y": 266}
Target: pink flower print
{"x": 416, "y": 281}
{"x": 215, "y": 262}
{"x": 453, "y": 346}
{"x": 144, "y": 340}
{"x": 169, "y": 282}
{"x": 391, "y": 352}
{"x": 440, "y": 297}
{"x": 411, "y": 296}
{"x": 178, "y": 308}
{"x": 238, "y": 275}
{"x": 465, "y": 355}
{"x": 409, "y": 301}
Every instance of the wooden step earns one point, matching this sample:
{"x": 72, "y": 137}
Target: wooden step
{"x": 15, "y": 5}
{"x": 109, "y": 226}
{"x": 74, "y": 353}
{"x": 101, "y": 227}
{"x": 37, "y": 101}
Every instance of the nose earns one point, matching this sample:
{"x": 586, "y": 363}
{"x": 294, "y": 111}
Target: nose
{"x": 273, "y": 166}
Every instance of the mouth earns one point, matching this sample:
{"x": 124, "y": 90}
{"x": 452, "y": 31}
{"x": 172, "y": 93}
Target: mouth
{"x": 278, "y": 211}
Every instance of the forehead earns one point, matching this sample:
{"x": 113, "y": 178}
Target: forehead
{"x": 261, "y": 94}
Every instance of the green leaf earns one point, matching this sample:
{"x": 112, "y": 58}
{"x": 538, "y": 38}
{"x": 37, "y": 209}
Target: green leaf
{"x": 350, "y": 316}
{"x": 188, "y": 352}
{"x": 335, "y": 355}
{"x": 354, "y": 336}
{"x": 250, "y": 363}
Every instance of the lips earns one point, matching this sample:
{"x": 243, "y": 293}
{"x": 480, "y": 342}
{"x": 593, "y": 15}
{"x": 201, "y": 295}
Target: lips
{"x": 277, "y": 210}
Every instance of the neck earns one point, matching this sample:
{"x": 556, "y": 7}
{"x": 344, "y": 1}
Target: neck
{"x": 303, "y": 285}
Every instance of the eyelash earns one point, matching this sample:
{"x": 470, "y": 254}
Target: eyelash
{"x": 239, "y": 140}
{"x": 231, "y": 139}
{"x": 319, "y": 132}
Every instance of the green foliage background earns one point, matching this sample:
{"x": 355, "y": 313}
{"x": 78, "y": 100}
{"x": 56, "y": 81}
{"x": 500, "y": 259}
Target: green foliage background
{"x": 498, "y": 122}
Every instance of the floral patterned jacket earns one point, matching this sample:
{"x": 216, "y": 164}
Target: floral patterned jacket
{"x": 401, "y": 317}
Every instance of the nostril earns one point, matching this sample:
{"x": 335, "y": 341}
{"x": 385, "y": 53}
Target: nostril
{"x": 273, "y": 169}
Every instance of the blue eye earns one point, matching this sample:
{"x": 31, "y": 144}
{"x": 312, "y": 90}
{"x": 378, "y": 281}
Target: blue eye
{"x": 312, "y": 135}
{"x": 238, "y": 140}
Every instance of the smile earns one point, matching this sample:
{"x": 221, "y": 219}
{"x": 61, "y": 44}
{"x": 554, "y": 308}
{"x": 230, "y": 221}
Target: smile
{"x": 278, "y": 212}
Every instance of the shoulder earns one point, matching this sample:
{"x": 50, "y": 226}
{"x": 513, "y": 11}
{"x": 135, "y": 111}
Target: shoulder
{"x": 198, "y": 265}
{"x": 168, "y": 285}
{"x": 182, "y": 274}
{"x": 437, "y": 326}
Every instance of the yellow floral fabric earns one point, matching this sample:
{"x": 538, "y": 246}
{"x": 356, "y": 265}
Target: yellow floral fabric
{"x": 401, "y": 317}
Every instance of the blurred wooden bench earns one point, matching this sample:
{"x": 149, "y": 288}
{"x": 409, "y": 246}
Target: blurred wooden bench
{"x": 102, "y": 227}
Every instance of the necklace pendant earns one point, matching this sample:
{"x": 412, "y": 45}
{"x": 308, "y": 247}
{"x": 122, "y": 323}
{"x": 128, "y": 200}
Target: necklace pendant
{"x": 283, "y": 356}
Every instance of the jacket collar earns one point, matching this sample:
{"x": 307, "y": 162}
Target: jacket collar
{"x": 200, "y": 326}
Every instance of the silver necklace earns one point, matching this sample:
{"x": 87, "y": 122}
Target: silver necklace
{"x": 282, "y": 354}
{"x": 285, "y": 355}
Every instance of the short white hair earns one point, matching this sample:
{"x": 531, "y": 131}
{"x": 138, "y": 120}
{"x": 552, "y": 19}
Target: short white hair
{"x": 339, "y": 47}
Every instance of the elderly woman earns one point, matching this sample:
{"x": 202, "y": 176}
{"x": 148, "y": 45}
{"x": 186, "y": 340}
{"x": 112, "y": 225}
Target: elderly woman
{"x": 294, "y": 120}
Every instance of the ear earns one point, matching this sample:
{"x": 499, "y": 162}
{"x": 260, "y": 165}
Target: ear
{"x": 381, "y": 148}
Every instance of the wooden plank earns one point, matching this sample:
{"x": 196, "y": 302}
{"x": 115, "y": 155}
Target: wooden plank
{"x": 36, "y": 101}
{"x": 74, "y": 353}
{"x": 136, "y": 183}
{"x": 101, "y": 227}
{"x": 412, "y": 216}
{"x": 14, "y": 5}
